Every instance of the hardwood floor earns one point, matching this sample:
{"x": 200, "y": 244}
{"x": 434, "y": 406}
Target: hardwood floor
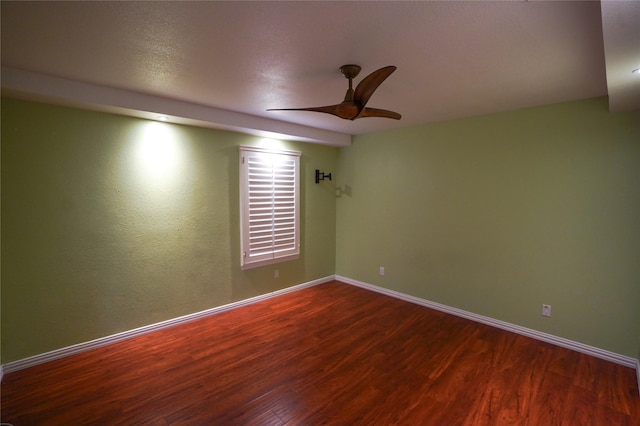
{"x": 332, "y": 354}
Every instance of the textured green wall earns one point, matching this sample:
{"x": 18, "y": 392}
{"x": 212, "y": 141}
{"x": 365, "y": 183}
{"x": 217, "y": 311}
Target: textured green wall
{"x": 499, "y": 214}
{"x": 495, "y": 215}
{"x": 111, "y": 223}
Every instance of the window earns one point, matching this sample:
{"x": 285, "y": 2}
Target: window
{"x": 269, "y": 206}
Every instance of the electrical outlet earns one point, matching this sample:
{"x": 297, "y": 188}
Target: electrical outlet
{"x": 276, "y": 273}
{"x": 381, "y": 271}
{"x": 546, "y": 310}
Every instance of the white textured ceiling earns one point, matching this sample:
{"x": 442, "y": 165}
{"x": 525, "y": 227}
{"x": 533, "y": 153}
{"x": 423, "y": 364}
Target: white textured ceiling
{"x": 454, "y": 59}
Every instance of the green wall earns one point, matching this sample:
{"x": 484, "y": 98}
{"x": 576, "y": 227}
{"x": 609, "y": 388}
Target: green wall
{"x": 499, "y": 214}
{"x": 111, "y": 223}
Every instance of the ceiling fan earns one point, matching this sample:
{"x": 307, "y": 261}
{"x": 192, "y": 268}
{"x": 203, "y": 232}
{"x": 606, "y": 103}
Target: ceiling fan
{"x": 354, "y": 102}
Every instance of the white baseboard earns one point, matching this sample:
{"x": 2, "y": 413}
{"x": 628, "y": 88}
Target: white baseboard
{"x": 638, "y": 374}
{"x": 538, "y": 335}
{"x": 97, "y": 343}
{"x": 93, "y": 344}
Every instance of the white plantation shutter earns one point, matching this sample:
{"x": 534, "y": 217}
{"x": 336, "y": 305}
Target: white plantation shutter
{"x": 269, "y": 206}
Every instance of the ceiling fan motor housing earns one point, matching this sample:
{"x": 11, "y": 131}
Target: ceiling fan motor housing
{"x": 350, "y": 71}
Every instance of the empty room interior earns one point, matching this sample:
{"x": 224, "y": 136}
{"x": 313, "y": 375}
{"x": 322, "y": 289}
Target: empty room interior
{"x": 301, "y": 213}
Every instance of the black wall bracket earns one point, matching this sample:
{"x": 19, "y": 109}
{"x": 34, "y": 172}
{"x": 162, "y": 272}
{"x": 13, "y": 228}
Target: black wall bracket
{"x": 322, "y": 176}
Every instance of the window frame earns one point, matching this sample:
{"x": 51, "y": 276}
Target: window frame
{"x": 254, "y": 181}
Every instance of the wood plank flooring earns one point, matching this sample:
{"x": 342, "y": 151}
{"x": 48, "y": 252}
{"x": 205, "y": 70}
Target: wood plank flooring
{"x": 332, "y": 354}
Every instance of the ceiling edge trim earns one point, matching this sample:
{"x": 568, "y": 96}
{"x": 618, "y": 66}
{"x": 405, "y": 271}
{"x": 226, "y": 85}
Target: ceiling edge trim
{"x": 40, "y": 87}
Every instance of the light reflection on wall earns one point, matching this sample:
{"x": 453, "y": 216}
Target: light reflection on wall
{"x": 154, "y": 204}
{"x": 157, "y": 179}
{"x": 273, "y": 144}
{"x": 158, "y": 153}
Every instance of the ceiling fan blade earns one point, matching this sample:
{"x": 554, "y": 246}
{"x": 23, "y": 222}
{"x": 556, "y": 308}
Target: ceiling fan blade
{"x": 346, "y": 110}
{"x": 354, "y": 102}
{"x": 375, "y": 112}
{"x": 370, "y": 83}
